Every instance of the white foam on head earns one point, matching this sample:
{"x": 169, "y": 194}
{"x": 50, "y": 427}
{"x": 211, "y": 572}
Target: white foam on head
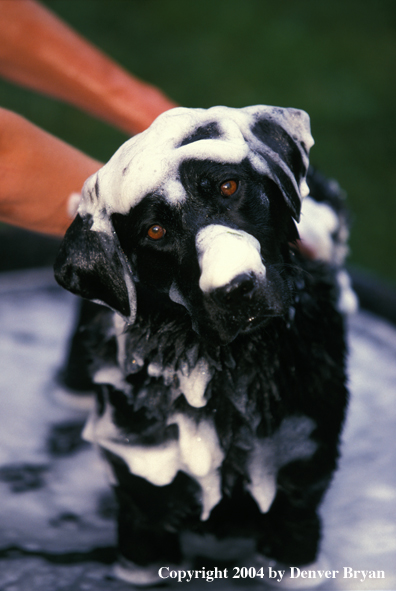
{"x": 225, "y": 253}
{"x": 72, "y": 204}
{"x": 149, "y": 162}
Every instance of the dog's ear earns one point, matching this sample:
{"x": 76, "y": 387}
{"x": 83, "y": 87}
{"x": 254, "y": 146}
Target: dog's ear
{"x": 91, "y": 264}
{"x": 284, "y": 142}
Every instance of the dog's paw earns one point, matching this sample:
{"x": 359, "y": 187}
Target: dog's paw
{"x": 281, "y": 576}
{"x": 140, "y": 576}
{"x": 81, "y": 402}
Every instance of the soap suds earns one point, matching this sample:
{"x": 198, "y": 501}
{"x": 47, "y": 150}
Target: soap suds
{"x": 317, "y": 225}
{"x": 290, "y": 442}
{"x": 150, "y": 161}
{"x": 262, "y": 473}
{"x": 196, "y": 452}
{"x": 193, "y": 386}
{"x": 224, "y": 253}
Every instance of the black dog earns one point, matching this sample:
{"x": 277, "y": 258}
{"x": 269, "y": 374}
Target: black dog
{"x": 221, "y": 377}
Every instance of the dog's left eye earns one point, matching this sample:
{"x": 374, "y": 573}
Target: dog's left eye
{"x": 156, "y": 232}
{"x": 228, "y": 188}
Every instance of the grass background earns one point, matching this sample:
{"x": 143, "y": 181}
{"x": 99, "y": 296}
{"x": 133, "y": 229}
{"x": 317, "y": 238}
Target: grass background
{"x": 335, "y": 59}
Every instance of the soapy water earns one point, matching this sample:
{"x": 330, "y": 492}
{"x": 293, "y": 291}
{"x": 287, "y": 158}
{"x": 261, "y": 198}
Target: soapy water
{"x": 57, "y": 512}
{"x": 149, "y": 162}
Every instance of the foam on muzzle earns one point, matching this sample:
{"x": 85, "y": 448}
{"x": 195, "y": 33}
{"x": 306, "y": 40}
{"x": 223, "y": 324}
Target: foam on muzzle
{"x": 225, "y": 253}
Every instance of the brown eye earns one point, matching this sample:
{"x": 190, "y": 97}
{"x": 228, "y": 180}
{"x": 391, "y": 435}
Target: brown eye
{"x": 228, "y": 188}
{"x": 156, "y": 232}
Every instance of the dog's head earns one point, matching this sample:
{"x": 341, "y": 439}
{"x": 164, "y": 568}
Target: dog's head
{"x": 199, "y": 208}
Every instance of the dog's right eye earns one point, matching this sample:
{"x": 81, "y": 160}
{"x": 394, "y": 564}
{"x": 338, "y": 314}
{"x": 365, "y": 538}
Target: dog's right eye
{"x": 156, "y": 232}
{"x": 228, "y": 188}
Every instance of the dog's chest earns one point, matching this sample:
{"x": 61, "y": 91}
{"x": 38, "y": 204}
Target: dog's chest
{"x": 169, "y": 421}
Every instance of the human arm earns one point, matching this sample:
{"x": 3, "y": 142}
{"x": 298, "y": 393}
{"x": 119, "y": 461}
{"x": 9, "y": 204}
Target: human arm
{"x": 38, "y": 173}
{"x": 40, "y": 51}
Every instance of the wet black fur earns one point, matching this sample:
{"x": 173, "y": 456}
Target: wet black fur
{"x": 291, "y": 364}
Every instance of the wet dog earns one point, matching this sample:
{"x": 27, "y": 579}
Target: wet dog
{"x": 220, "y": 363}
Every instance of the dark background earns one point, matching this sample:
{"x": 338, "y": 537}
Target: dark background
{"x": 335, "y": 60}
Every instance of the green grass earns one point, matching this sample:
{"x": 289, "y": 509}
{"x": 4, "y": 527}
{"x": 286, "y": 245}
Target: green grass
{"x": 336, "y": 60}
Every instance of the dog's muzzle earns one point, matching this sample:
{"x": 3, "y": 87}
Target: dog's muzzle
{"x": 233, "y": 279}
{"x": 225, "y": 254}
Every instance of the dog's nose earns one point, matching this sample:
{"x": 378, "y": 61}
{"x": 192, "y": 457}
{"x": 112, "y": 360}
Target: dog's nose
{"x": 237, "y": 291}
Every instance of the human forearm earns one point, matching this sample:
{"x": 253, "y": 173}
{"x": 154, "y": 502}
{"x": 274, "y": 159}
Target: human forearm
{"x": 40, "y": 51}
{"x": 38, "y": 173}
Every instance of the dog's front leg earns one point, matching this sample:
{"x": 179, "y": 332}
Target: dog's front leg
{"x": 150, "y": 520}
{"x": 292, "y": 527}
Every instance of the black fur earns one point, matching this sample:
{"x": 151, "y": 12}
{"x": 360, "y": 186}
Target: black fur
{"x": 100, "y": 270}
{"x": 275, "y": 350}
{"x": 287, "y": 368}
